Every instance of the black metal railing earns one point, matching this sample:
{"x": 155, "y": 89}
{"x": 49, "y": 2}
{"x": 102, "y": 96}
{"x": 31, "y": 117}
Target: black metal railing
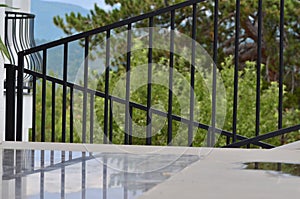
{"x": 19, "y": 36}
{"x": 233, "y": 139}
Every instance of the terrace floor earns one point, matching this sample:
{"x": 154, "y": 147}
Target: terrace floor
{"x": 42, "y": 170}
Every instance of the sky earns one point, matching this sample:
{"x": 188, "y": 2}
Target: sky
{"x": 88, "y": 4}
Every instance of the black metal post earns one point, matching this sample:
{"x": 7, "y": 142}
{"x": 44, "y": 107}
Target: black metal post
{"x": 192, "y": 81}
{"x": 92, "y": 108}
{"x": 64, "y": 104}
{"x": 10, "y": 103}
{"x": 128, "y": 63}
{"x": 214, "y": 89}
{"x": 149, "y": 85}
{"x": 86, "y": 62}
{"x": 130, "y": 126}
{"x": 53, "y": 113}
{"x": 170, "y": 101}
{"x": 281, "y": 62}
{"x": 43, "y": 122}
{"x": 71, "y": 116}
{"x": 107, "y": 65}
{"x": 20, "y": 96}
{"x": 111, "y": 121}
{"x": 236, "y": 69}
{"x": 33, "y": 135}
{"x": 258, "y": 68}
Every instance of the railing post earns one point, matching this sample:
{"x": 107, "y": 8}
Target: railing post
{"x": 10, "y": 103}
{"x": 20, "y": 69}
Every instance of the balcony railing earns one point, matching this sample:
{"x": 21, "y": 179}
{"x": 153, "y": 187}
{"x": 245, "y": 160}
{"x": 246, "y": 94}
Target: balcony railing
{"x": 90, "y": 95}
{"x": 19, "y": 36}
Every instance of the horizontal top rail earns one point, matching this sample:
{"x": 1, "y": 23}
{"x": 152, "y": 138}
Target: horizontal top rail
{"x": 109, "y": 27}
{"x": 19, "y": 14}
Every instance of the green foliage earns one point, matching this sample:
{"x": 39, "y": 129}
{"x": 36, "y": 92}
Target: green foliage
{"x": 247, "y": 104}
{"x": 3, "y": 49}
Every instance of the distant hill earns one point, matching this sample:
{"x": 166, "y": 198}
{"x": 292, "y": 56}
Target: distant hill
{"x": 45, "y": 11}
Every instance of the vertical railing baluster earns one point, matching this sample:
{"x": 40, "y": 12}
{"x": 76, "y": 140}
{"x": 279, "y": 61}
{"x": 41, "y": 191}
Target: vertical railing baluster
{"x": 64, "y": 105}
{"x": 31, "y": 43}
{"x": 215, "y": 59}
{"x": 21, "y": 36}
{"x": 7, "y": 44}
{"x": 170, "y": 99}
{"x": 107, "y": 68}
{"x": 14, "y": 37}
{"x": 281, "y": 62}
{"x": 192, "y": 95}
{"x": 84, "y": 111}
{"x": 22, "y": 40}
{"x": 10, "y": 103}
{"x": 236, "y": 69}
{"x": 44, "y": 83}
{"x": 258, "y": 67}
{"x": 130, "y": 125}
{"x": 149, "y": 85}
{"x": 227, "y": 140}
{"x": 71, "y": 116}
{"x": 128, "y": 63}
{"x": 53, "y": 112}
{"x": 27, "y": 41}
{"x": 111, "y": 121}
{"x": 33, "y": 128}
{"x": 92, "y": 118}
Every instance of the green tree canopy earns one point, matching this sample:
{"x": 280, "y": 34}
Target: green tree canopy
{"x": 122, "y": 9}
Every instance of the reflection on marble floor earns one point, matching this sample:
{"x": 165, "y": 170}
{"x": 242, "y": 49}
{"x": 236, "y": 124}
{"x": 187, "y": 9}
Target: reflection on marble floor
{"x": 33, "y": 174}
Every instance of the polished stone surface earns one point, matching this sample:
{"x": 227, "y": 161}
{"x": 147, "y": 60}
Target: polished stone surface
{"x": 99, "y": 172}
{"x": 33, "y": 174}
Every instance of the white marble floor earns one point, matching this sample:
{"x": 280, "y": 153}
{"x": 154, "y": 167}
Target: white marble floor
{"x": 39, "y": 170}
